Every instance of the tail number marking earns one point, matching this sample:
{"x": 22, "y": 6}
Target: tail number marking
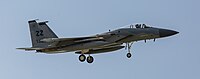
{"x": 39, "y": 33}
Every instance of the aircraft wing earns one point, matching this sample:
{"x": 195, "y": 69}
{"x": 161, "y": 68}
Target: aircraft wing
{"x": 56, "y": 42}
{"x": 67, "y": 41}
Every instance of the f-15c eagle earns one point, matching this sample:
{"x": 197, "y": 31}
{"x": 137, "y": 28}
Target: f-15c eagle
{"x": 44, "y": 40}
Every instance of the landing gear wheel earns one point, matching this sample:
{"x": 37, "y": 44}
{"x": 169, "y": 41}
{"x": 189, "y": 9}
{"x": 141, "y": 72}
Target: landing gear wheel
{"x": 90, "y": 59}
{"x": 128, "y": 55}
{"x": 82, "y": 58}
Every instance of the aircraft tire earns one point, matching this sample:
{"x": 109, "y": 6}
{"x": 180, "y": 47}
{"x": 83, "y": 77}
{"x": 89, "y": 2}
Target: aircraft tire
{"x": 128, "y": 55}
{"x": 90, "y": 59}
{"x": 82, "y": 58}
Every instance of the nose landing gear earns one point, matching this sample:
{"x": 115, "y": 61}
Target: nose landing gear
{"x": 128, "y": 45}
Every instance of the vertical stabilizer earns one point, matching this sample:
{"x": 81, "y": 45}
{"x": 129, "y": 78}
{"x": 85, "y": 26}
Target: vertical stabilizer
{"x": 40, "y": 31}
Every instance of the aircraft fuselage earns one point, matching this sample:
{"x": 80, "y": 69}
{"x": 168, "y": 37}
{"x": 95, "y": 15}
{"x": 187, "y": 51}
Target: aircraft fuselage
{"x": 119, "y": 36}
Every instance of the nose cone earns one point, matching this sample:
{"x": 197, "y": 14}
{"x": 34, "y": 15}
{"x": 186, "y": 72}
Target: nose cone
{"x": 166, "y": 32}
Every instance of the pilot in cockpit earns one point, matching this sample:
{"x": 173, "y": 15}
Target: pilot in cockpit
{"x": 138, "y": 25}
{"x": 141, "y": 26}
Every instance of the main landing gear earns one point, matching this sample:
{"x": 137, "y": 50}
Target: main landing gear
{"x": 128, "y": 45}
{"x": 82, "y": 58}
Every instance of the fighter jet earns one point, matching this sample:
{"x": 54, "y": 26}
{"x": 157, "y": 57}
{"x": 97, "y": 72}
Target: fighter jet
{"x": 44, "y": 40}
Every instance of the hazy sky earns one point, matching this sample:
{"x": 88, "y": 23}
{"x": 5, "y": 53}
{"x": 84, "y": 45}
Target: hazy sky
{"x": 175, "y": 57}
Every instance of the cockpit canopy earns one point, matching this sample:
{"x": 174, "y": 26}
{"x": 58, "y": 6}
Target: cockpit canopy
{"x": 139, "y": 25}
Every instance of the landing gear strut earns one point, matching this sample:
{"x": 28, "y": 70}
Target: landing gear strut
{"x": 128, "y": 45}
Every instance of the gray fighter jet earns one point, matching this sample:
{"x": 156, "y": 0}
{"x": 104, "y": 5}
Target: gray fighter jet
{"x": 44, "y": 40}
